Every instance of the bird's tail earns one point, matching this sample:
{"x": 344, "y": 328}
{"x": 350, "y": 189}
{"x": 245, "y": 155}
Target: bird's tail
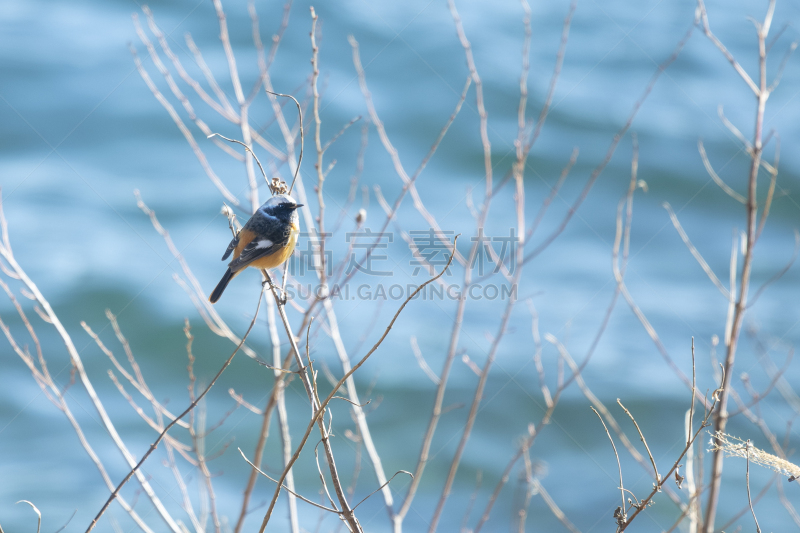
{"x": 226, "y": 278}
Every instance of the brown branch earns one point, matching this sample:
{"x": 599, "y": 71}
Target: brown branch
{"x": 480, "y": 222}
{"x": 761, "y": 94}
{"x": 184, "y": 130}
{"x": 747, "y": 478}
{"x": 611, "y": 149}
{"x": 408, "y": 181}
{"x": 703, "y": 16}
{"x": 641, "y": 437}
{"x": 266, "y": 63}
{"x": 657, "y": 487}
{"x": 347, "y": 513}
{"x": 695, "y": 253}
{"x": 209, "y": 313}
{"x": 620, "y": 512}
{"x": 320, "y": 410}
{"x": 272, "y": 402}
{"x": 290, "y": 491}
{"x": 192, "y": 405}
{"x": 56, "y": 396}
{"x": 757, "y": 499}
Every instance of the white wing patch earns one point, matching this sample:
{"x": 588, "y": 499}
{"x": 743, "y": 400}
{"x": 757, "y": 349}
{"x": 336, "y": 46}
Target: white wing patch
{"x": 265, "y": 243}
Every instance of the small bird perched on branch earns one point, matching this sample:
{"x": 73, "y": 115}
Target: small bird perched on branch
{"x": 266, "y": 240}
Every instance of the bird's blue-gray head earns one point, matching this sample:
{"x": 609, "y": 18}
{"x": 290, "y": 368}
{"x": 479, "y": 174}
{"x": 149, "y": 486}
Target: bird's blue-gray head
{"x": 282, "y": 207}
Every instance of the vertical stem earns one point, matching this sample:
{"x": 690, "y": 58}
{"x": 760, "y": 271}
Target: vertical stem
{"x": 318, "y": 143}
{"x": 721, "y": 418}
{"x": 347, "y": 512}
{"x": 437, "y": 406}
{"x": 277, "y": 397}
{"x": 358, "y": 411}
{"x": 749, "y": 499}
{"x": 243, "y": 105}
{"x": 283, "y": 419}
{"x": 248, "y": 157}
{"x": 258, "y": 456}
{"x": 456, "y": 331}
{"x": 473, "y": 413}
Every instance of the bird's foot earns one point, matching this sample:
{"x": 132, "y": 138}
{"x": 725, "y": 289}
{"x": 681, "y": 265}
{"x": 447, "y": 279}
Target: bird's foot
{"x": 282, "y": 296}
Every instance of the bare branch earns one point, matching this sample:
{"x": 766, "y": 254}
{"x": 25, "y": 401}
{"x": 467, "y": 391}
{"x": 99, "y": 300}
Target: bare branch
{"x": 213, "y": 320}
{"x": 750, "y": 237}
{"x": 408, "y": 181}
{"x": 184, "y": 130}
{"x": 702, "y": 262}
{"x": 385, "y": 484}
{"x": 620, "y": 512}
{"x": 611, "y": 149}
{"x": 38, "y": 514}
{"x": 201, "y": 62}
{"x": 422, "y": 363}
{"x": 778, "y": 275}
{"x": 290, "y": 491}
{"x": 154, "y": 445}
{"x": 641, "y": 437}
{"x": 319, "y": 412}
{"x": 238, "y": 398}
{"x": 787, "y": 55}
{"x": 724, "y": 186}
{"x": 703, "y": 19}
{"x": 749, "y": 500}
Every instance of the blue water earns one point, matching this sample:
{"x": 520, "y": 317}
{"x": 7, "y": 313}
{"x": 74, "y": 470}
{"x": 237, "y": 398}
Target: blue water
{"x": 80, "y": 131}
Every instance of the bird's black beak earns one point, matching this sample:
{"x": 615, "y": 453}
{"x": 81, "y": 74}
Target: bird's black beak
{"x": 299, "y": 205}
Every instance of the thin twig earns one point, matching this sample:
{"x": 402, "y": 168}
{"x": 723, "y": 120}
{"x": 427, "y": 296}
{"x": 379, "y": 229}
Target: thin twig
{"x": 704, "y": 20}
{"x": 290, "y": 491}
{"x": 611, "y": 149}
{"x": 381, "y": 487}
{"x": 714, "y": 176}
{"x": 696, "y": 254}
{"x": 247, "y": 148}
{"x": 38, "y": 514}
{"x": 319, "y": 411}
{"x": 762, "y": 94}
{"x": 320, "y": 151}
{"x": 621, "y": 509}
{"x": 408, "y": 181}
{"x": 209, "y": 313}
{"x": 310, "y": 388}
{"x": 185, "y": 131}
{"x": 747, "y": 478}
{"x": 53, "y": 392}
{"x": 659, "y": 485}
{"x": 77, "y": 363}
{"x": 300, "y": 121}
{"x": 641, "y": 437}
{"x": 694, "y": 388}
{"x": 421, "y": 361}
{"x": 192, "y": 405}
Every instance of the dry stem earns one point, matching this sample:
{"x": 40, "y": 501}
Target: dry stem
{"x": 192, "y": 405}
{"x": 320, "y": 408}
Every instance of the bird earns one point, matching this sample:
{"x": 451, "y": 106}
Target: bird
{"x": 265, "y": 241}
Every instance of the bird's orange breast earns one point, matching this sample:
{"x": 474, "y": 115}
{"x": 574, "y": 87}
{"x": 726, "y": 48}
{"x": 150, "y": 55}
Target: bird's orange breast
{"x": 272, "y": 260}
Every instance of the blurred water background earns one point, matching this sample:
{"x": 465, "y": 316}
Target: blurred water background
{"x": 80, "y": 131}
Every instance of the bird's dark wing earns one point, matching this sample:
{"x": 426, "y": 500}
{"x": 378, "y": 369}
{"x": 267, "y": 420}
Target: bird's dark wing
{"x": 260, "y": 246}
{"x": 231, "y": 246}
